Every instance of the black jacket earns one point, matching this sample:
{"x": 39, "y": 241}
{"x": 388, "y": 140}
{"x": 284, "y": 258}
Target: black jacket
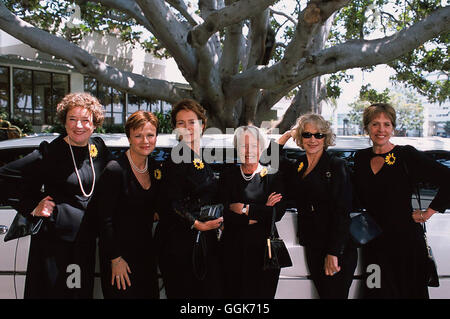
{"x": 323, "y": 200}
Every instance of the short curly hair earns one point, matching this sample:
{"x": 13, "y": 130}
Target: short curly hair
{"x": 321, "y": 124}
{"x": 84, "y": 100}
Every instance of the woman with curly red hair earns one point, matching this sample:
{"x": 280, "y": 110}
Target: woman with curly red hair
{"x": 57, "y": 184}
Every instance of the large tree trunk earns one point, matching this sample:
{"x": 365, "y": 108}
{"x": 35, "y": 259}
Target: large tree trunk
{"x": 310, "y": 96}
{"x": 307, "y": 100}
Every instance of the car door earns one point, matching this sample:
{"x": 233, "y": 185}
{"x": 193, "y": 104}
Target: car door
{"x": 14, "y": 253}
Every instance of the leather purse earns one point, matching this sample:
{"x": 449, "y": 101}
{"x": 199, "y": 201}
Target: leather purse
{"x": 23, "y": 226}
{"x": 432, "y": 277}
{"x": 210, "y": 212}
{"x": 363, "y": 227}
{"x": 431, "y": 267}
{"x": 276, "y": 254}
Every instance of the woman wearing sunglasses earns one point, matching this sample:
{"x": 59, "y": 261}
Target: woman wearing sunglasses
{"x": 320, "y": 186}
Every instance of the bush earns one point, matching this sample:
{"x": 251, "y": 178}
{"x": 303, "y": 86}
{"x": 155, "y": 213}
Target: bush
{"x": 24, "y": 125}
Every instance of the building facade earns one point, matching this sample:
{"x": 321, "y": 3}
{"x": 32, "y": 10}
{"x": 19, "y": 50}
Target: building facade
{"x": 32, "y": 83}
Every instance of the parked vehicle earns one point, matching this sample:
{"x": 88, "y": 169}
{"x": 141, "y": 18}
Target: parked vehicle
{"x": 294, "y": 281}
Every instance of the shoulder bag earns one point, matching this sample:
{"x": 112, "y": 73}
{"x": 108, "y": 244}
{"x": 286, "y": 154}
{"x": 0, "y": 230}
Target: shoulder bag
{"x": 276, "y": 254}
{"x": 432, "y": 276}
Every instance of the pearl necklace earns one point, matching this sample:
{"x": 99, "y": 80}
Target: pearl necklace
{"x": 249, "y": 178}
{"x": 76, "y": 170}
{"x": 137, "y": 169}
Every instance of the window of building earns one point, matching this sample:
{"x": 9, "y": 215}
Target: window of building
{"x": 119, "y": 105}
{"x": 136, "y": 103}
{"x": 4, "y": 90}
{"x": 37, "y": 93}
{"x": 113, "y": 100}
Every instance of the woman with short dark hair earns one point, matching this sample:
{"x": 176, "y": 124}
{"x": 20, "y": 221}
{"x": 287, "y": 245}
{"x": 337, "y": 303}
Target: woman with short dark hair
{"x": 126, "y": 199}
{"x": 58, "y": 181}
{"x": 385, "y": 175}
{"x": 183, "y": 237}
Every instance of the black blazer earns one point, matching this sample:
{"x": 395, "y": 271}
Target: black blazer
{"x": 323, "y": 200}
{"x": 49, "y": 170}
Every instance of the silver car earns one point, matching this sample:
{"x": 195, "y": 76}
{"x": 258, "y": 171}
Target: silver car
{"x": 294, "y": 281}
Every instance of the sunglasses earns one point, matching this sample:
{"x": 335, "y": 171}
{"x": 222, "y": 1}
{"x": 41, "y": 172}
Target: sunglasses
{"x": 316, "y": 135}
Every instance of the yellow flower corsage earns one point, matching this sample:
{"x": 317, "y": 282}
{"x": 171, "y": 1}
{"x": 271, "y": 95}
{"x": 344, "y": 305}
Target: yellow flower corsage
{"x": 263, "y": 172}
{"x": 157, "y": 173}
{"x": 390, "y": 159}
{"x": 198, "y": 163}
{"x": 93, "y": 152}
{"x": 300, "y": 167}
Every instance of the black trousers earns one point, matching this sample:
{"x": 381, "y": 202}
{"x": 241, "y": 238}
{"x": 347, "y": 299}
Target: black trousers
{"x": 332, "y": 287}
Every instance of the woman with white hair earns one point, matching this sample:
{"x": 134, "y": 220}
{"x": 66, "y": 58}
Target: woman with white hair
{"x": 320, "y": 186}
{"x": 249, "y": 193}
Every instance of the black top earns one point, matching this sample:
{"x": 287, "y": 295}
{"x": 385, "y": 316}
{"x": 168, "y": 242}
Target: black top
{"x": 49, "y": 170}
{"x": 387, "y": 194}
{"x": 323, "y": 199}
{"x": 235, "y": 189}
{"x": 126, "y": 209}
{"x": 187, "y": 185}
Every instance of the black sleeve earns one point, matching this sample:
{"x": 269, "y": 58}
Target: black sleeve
{"x": 107, "y": 199}
{"x": 263, "y": 213}
{"x": 423, "y": 168}
{"x": 227, "y": 188}
{"x": 22, "y": 181}
{"x": 341, "y": 189}
{"x": 176, "y": 207}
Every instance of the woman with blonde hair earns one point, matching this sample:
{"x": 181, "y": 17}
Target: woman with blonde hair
{"x": 320, "y": 186}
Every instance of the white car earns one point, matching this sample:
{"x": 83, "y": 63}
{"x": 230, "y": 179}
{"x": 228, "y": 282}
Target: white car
{"x": 294, "y": 282}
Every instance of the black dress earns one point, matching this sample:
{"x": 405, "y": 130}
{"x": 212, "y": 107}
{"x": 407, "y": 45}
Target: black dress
{"x": 323, "y": 199}
{"x": 400, "y": 250}
{"x": 243, "y": 244}
{"x": 186, "y": 187}
{"x": 126, "y": 219}
{"x": 68, "y": 236}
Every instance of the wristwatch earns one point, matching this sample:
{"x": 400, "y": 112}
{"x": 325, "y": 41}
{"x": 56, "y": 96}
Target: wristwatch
{"x": 244, "y": 209}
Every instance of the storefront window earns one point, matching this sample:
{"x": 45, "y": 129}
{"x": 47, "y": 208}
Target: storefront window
{"x": 60, "y": 89}
{"x": 23, "y": 94}
{"x": 37, "y": 93}
{"x": 4, "y": 90}
{"x": 42, "y": 97}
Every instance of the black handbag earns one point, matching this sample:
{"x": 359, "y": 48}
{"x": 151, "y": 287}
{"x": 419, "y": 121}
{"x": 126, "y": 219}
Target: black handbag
{"x": 210, "y": 212}
{"x": 432, "y": 277}
{"x": 363, "y": 227}
{"x": 431, "y": 267}
{"x": 23, "y": 226}
{"x": 276, "y": 254}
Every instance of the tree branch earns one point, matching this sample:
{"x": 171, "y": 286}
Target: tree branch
{"x": 86, "y": 63}
{"x": 222, "y": 18}
{"x": 309, "y": 22}
{"x": 172, "y": 35}
{"x": 342, "y": 57}
{"x": 191, "y": 17}
{"x": 284, "y": 15}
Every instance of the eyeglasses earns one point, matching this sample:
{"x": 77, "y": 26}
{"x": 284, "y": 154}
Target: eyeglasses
{"x": 318, "y": 136}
